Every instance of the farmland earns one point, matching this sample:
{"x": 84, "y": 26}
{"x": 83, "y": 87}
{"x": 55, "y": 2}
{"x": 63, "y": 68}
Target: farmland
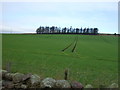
{"x": 94, "y": 59}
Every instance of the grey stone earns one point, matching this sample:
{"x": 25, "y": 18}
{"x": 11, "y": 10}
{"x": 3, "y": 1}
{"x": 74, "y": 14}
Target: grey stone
{"x": 17, "y": 85}
{"x": 24, "y": 86}
{"x": 8, "y": 84}
{"x": 8, "y": 76}
{"x": 34, "y": 81}
{"x": 62, "y": 84}
{"x": 3, "y": 73}
{"x": 48, "y": 83}
{"x": 17, "y": 77}
{"x": 113, "y": 85}
{"x": 2, "y": 88}
{"x": 88, "y": 86}
{"x": 76, "y": 84}
{"x": 27, "y": 76}
{"x": 20, "y": 85}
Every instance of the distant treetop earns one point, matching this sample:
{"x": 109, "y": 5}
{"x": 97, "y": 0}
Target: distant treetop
{"x": 59, "y": 30}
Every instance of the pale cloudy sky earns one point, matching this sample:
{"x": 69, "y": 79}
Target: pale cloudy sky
{"x": 28, "y": 16}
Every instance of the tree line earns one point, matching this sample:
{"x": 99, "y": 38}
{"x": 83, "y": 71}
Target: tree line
{"x": 65, "y": 30}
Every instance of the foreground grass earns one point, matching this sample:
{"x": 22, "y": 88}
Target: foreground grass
{"x": 94, "y": 60}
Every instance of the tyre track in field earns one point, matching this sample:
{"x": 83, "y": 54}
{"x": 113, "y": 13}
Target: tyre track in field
{"x": 67, "y": 47}
{"x": 73, "y": 43}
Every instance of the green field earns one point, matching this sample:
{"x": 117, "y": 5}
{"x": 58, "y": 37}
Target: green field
{"x": 94, "y": 61}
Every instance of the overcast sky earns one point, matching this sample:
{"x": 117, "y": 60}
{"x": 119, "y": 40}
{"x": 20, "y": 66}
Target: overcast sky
{"x": 28, "y": 16}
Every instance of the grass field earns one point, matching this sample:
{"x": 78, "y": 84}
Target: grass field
{"x": 94, "y": 60}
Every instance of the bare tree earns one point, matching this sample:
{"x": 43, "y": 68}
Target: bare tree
{"x": 87, "y": 31}
{"x": 84, "y": 30}
{"x": 95, "y": 30}
{"x": 77, "y": 30}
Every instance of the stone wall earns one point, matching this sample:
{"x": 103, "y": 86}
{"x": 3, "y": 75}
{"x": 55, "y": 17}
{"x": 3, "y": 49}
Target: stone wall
{"x": 25, "y": 81}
